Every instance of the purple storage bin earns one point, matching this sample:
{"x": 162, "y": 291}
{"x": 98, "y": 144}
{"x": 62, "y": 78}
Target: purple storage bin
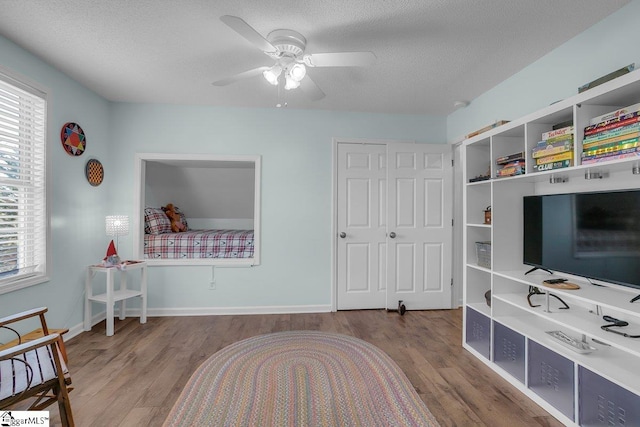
{"x": 551, "y": 377}
{"x": 509, "y": 350}
{"x": 603, "y": 403}
{"x": 478, "y": 332}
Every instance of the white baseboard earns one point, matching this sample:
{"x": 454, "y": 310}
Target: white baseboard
{"x": 79, "y": 328}
{"x": 209, "y": 311}
{"x": 204, "y": 311}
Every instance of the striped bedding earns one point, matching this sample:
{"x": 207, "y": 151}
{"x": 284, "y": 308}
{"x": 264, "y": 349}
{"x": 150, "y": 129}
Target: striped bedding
{"x": 199, "y": 244}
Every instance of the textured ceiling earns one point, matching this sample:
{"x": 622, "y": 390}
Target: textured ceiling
{"x": 430, "y": 53}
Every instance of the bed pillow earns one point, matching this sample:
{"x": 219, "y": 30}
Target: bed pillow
{"x": 156, "y": 221}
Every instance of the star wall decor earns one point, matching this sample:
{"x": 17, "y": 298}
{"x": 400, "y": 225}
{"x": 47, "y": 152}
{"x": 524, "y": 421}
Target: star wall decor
{"x": 73, "y": 139}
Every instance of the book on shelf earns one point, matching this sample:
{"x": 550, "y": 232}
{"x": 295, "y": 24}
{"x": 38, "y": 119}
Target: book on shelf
{"x": 503, "y": 160}
{"x": 559, "y": 138}
{"x": 486, "y": 128}
{"x": 618, "y": 122}
{"x": 563, "y": 124}
{"x": 511, "y": 169}
{"x": 611, "y": 149}
{"x": 612, "y": 75}
{"x": 635, "y": 127}
{"x": 631, "y": 137}
{"x": 557, "y": 132}
{"x": 551, "y": 149}
{"x": 613, "y": 114}
{"x": 480, "y": 178}
{"x": 554, "y": 165}
{"x": 612, "y": 157}
{"x": 611, "y": 154}
{"x": 555, "y": 158}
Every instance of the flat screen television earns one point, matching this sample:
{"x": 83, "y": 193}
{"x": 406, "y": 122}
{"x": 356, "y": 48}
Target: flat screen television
{"x": 594, "y": 235}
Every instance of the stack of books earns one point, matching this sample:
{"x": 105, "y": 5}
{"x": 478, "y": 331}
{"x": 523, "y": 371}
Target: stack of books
{"x": 510, "y": 165}
{"x": 555, "y": 150}
{"x": 614, "y": 135}
{"x": 486, "y": 128}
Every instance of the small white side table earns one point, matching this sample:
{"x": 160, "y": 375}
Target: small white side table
{"x": 112, "y": 296}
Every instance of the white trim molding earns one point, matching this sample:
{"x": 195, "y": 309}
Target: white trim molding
{"x": 204, "y": 311}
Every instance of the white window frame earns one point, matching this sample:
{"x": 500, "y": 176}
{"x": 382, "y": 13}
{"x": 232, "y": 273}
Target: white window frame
{"x": 40, "y": 230}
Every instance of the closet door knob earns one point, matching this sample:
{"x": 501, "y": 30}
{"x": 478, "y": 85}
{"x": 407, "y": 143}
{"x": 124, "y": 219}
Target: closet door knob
{"x": 343, "y": 235}
{"x": 392, "y": 235}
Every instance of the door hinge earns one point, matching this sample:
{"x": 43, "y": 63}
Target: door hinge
{"x": 452, "y": 222}
{"x": 451, "y": 162}
{"x": 452, "y": 282}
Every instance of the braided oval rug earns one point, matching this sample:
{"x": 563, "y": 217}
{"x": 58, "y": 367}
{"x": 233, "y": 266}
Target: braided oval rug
{"x": 300, "y": 378}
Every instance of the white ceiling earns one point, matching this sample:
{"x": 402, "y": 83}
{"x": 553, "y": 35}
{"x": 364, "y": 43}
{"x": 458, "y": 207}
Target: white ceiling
{"x": 430, "y": 53}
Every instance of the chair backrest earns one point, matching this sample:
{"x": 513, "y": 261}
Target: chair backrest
{"x": 35, "y": 369}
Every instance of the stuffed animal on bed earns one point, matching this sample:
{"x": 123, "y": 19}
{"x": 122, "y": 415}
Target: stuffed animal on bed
{"x": 176, "y": 221}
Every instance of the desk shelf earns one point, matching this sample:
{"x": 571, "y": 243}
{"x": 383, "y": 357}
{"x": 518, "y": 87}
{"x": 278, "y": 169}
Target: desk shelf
{"x": 117, "y": 296}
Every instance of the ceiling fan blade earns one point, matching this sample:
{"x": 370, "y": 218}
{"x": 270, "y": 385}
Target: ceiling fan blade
{"x": 311, "y": 89}
{"x": 247, "y": 31}
{"x": 340, "y": 59}
{"x": 240, "y": 76}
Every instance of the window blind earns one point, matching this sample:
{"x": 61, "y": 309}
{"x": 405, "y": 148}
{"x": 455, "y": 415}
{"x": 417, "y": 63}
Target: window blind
{"x": 23, "y": 211}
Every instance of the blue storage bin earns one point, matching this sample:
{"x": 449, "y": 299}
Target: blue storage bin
{"x": 509, "y": 350}
{"x": 478, "y": 332}
{"x": 551, "y": 376}
{"x": 603, "y": 403}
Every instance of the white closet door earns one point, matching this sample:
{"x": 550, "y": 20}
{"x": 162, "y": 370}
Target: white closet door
{"x": 361, "y": 226}
{"x": 419, "y": 244}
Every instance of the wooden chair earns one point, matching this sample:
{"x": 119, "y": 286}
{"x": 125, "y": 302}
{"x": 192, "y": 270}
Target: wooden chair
{"x": 35, "y": 370}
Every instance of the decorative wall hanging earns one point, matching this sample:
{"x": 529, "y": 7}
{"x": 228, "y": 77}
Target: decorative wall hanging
{"x": 94, "y": 172}
{"x": 73, "y": 139}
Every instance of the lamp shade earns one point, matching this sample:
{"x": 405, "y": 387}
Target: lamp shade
{"x": 272, "y": 74}
{"x": 297, "y": 72}
{"x": 117, "y": 225}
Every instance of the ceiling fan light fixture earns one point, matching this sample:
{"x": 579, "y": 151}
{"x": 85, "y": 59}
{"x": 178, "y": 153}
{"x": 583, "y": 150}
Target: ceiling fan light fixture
{"x": 297, "y": 72}
{"x": 291, "y": 83}
{"x": 272, "y": 74}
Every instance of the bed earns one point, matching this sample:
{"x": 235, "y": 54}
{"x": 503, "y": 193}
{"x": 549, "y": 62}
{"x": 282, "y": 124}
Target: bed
{"x": 161, "y": 243}
{"x": 199, "y": 244}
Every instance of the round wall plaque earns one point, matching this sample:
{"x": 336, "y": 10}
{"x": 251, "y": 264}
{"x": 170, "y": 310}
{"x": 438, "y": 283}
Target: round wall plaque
{"x": 94, "y": 172}
{"x": 73, "y": 139}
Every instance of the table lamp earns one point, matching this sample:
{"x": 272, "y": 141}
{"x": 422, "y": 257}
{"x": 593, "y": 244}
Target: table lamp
{"x": 117, "y": 225}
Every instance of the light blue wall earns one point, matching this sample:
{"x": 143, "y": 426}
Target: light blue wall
{"x": 77, "y": 209}
{"x": 605, "y": 47}
{"x": 296, "y": 148}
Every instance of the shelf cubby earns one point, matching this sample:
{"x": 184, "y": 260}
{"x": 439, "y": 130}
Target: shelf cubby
{"x": 479, "y": 199}
{"x": 479, "y": 283}
{"x": 478, "y": 160}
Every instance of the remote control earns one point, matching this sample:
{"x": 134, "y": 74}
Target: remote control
{"x": 571, "y": 343}
{"x": 555, "y": 281}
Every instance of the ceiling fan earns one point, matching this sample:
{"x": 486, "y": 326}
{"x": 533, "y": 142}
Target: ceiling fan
{"x": 286, "y": 48}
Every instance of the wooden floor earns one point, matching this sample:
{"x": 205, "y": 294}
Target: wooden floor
{"x": 134, "y": 377}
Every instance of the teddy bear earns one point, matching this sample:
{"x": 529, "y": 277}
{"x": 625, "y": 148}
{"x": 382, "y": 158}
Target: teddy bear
{"x": 176, "y": 220}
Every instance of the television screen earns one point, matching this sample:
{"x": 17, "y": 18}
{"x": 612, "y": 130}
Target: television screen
{"x": 593, "y": 235}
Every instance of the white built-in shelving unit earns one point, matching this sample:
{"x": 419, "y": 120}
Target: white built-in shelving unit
{"x": 598, "y": 388}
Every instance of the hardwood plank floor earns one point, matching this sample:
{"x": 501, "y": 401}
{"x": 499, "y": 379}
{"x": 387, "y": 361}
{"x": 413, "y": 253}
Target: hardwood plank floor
{"x": 134, "y": 377}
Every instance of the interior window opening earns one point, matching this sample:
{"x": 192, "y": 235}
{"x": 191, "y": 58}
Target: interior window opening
{"x": 198, "y": 210}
